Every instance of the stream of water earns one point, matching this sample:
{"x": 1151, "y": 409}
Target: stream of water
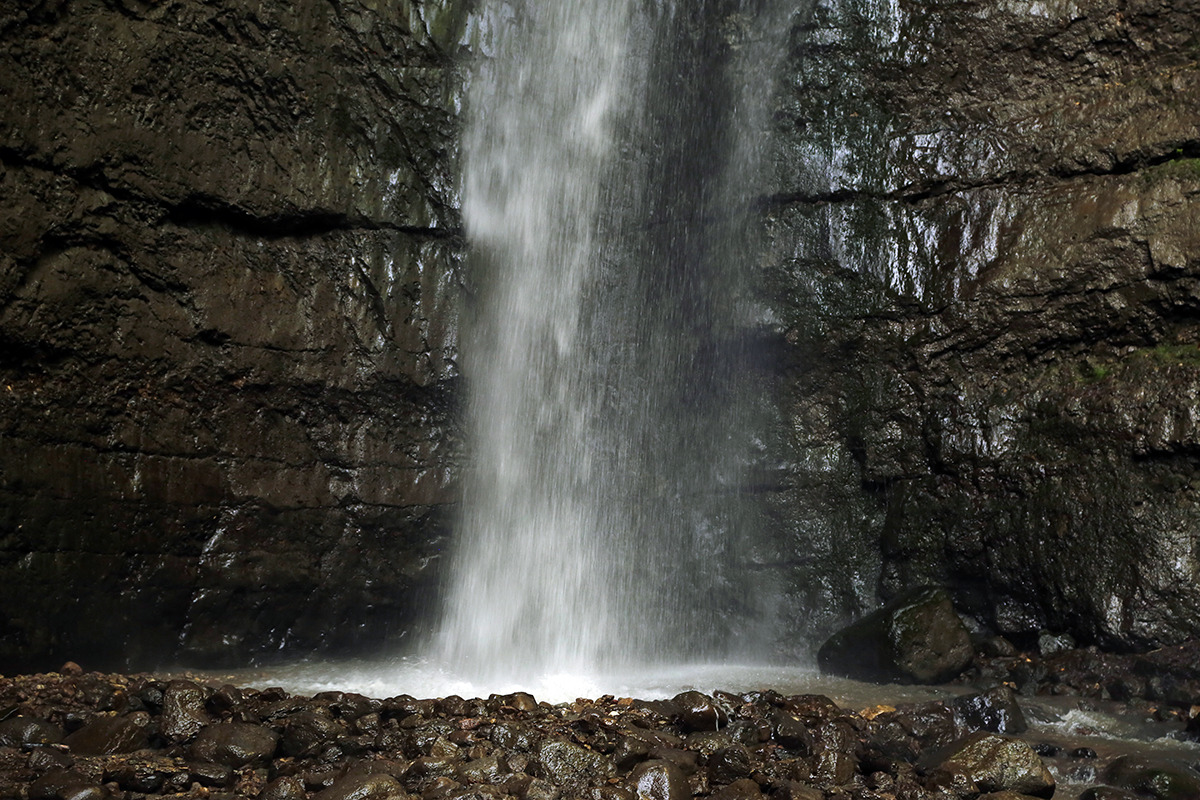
{"x": 611, "y": 154}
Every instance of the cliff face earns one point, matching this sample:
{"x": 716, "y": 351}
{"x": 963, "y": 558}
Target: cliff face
{"x": 985, "y": 241}
{"x": 227, "y": 337}
{"x": 229, "y": 270}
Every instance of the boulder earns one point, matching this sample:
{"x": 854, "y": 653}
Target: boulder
{"x": 916, "y": 638}
{"x": 571, "y": 766}
{"x": 1157, "y": 778}
{"x": 235, "y": 744}
{"x": 183, "y": 712}
{"x": 659, "y": 780}
{"x": 364, "y": 786}
{"x": 65, "y": 785}
{"x": 108, "y": 735}
{"x": 994, "y": 763}
{"x": 27, "y": 731}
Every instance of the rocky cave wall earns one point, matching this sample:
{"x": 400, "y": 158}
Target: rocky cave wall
{"x": 229, "y": 274}
{"x": 228, "y": 249}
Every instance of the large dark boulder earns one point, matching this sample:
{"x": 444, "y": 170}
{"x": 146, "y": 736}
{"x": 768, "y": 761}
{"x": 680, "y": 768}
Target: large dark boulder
{"x": 916, "y": 638}
{"x": 993, "y": 763}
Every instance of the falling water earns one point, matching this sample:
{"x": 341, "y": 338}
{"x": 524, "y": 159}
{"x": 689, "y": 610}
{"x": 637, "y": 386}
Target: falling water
{"x": 614, "y": 415}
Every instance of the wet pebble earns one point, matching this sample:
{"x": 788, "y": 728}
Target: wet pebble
{"x": 994, "y": 710}
{"x": 207, "y": 773}
{"x": 285, "y": 788}
{"x": 364, "y": 786}
{"x": 707, "y": 742}
{"x": 729, "y": 764}
{"x": 794, "y": 790}
{"x": 234, "y": 744}
{"x": 108, "y": 735}
{"x": 183, "y": 712}
{"x": 27, "y": 731}
{"x": 42, "y": 759}
{"x": 699, "y": 712}
{"x": 427, "y": 767}
{"x": 789, "y": 731}
{"x": 741, "y": 789}
{"x": 570, "y": 765}
{"x": 307, "y": 731}
{"x": 490, "y": 769}
{"x": 64, "y": 785}
{"x": 1108, "y": 793}
{"x": 659, "y": 780}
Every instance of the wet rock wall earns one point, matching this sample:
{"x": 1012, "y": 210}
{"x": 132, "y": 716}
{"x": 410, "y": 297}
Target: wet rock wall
{"x": 228, "y": 249}
{"x": 984, "y": 247}
{"x": 229, "y": 267}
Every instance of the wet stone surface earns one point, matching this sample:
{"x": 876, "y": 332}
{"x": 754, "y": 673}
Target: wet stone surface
{"x": 126, "y": 744}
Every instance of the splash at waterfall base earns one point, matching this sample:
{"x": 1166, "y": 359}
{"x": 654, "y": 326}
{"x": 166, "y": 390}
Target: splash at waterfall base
{"x": 91, "y": 736}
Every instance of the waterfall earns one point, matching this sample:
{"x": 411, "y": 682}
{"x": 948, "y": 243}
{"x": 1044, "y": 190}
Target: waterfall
{"x": 609, "y": 164}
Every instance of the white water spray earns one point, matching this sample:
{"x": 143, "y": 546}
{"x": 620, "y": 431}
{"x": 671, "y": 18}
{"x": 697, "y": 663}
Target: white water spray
{"x": 611, "y": 416}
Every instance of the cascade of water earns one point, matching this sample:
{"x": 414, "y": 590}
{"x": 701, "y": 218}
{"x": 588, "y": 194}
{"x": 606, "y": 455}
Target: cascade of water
{"x": 608, "y": 172}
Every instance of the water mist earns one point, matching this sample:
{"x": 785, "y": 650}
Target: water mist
{"x": 614, "y": 418}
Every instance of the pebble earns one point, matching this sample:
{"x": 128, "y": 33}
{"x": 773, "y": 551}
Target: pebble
{"x": 181, "y": 738}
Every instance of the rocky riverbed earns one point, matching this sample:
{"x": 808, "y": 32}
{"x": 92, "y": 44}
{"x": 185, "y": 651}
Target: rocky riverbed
{"x": 76, "y": 735}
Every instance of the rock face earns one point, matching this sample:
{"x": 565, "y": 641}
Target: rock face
{"x": 227, "y": 339}
{"x": 984, "y": 246}
{"x": 229, "y": 261}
